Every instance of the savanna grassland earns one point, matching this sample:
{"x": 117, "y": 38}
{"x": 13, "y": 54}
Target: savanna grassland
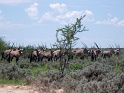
{"x": 80, "y": 76}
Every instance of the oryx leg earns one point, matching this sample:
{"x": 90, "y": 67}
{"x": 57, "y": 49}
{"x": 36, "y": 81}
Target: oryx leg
{"x": 30, "y": 60}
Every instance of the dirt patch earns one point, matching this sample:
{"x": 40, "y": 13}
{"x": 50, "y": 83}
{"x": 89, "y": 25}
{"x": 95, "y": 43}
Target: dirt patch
{"x": 22, "y": 89}
{"x": 17, "y": 89}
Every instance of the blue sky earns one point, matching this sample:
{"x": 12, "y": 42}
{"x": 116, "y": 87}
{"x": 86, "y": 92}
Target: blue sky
{"x": 33, "y": 22}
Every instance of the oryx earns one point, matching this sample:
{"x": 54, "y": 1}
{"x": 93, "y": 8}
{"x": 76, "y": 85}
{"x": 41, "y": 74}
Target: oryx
{"x": 95, "y": 52}
{"x": 108, "y": 53}
{"x": 15, "y": 53}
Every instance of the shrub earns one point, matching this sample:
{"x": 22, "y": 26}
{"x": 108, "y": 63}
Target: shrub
{"x": 13, "y": 72}
{"x": 3, "y": 44}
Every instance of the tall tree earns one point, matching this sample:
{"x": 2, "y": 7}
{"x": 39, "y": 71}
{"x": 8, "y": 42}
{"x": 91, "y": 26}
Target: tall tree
{"x": 68, "y": 33}
{"x": 66, "y": 36}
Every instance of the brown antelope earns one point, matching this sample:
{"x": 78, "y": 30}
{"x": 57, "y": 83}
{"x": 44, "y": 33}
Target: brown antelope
{"x": 5, "y": 53}
{"x": 33, "y": 55}
{"x": 108, "y": 53}
{"x": 81, "y": 52}
{"x": 57, "y": 54}
{"x": 95, "y": 52}
{"x": 117, "y": 50}
{"x": 45, "y": 54}
{"x": 15, "y": 53}
{"x": 48, "y": 55}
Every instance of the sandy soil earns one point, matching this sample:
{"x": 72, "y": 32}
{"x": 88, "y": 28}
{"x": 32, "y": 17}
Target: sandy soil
{"x": 17, "y": 89}
{"x": 21, "y": 89}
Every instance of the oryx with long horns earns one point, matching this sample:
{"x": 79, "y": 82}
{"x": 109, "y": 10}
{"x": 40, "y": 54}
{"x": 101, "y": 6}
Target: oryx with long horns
{"x": 15, "y": 53}
{"x": 81, "y": 52}
{"x": 5, "y": 53}
{"x": 108, "y": 53}
{"x": 117, "y": 51}
{"x": 95, "y": 52}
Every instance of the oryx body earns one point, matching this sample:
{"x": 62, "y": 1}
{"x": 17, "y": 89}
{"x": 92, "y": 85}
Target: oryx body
{"x": 107, "y": 53}
{"x": 48, "y": 55}
{"x": 80, "y": 52}
{"x": 5, "y": 54}
{"x": 57, "y": 54}
{"x": 45, "y": 54}
{"x": 15, "y": 53}
{"x": 33, "y": 55}
{"x": 95, "y": 52}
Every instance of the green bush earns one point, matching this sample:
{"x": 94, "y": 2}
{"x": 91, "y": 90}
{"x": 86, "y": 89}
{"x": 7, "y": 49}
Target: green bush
{"x": 12, "y": 72}
{"x": 3, "y": 44}
{"x": 76, "y": 66}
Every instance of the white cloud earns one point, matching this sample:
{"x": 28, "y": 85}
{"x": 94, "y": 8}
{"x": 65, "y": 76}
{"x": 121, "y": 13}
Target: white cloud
{"x": 121, "y": 23}
{"x": 47, "y": 17}
{"x": 32, "y": 10}
{"x": 70, "y": 16}
{"x": 61, "y": 8}
{"x": 14, "y": 1}
{"x": 112, "y": 21}
{"x": 88, "y": 13}
{"x": 63, "y": 15}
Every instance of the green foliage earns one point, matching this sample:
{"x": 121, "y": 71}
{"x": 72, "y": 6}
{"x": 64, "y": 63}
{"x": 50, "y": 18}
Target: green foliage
{"x": 75, "y": 66}
{"x": 3, "y": 44}
{"x": 118, "y": 68}
{"x": 68, "y": 33}
{"x": 14, "y": 82}
{"x": 40, "y": 69}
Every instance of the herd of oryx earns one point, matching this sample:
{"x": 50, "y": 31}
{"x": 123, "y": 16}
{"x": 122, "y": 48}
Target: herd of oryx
{"x": 38, "y": 55}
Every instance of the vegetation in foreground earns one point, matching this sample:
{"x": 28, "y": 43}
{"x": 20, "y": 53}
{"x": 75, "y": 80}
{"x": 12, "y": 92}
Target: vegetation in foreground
{"x": 80, "y": 76}
{"x": 103, "y": 76}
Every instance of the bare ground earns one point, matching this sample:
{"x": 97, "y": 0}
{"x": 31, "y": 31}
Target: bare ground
{"x": 21, "y": 89}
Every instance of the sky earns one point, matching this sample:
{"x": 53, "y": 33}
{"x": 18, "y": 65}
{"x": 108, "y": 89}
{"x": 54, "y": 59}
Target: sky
{"x": 34, "y": 22}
